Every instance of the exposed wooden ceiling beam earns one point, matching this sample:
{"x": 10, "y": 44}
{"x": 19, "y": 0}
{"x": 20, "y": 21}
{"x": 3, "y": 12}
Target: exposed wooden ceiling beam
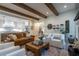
{"x": 52, "y": 8}
{"x": 16, "y": 12}
{"x": 30, "y": 9}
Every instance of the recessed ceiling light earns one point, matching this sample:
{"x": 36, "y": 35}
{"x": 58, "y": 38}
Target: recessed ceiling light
{"x": 65, "y": 6}
{"x": 47, "y": 13}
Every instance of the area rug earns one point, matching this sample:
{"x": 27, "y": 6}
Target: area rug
{"x": 53, "y": 51}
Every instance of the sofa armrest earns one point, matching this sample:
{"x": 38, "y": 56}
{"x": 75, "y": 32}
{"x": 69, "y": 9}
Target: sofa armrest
{"x": 20, "y": 52}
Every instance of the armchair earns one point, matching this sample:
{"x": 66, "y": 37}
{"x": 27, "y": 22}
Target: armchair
{"x": 57, "y": 40}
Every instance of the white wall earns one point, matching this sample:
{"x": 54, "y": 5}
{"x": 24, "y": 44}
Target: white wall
{"x": 37, "y": 25}
{"x": 77, "y": 28}
{"x": 70, "y": 15}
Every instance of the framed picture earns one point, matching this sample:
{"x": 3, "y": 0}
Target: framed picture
{"x": 53, "y": 26}
{"x": 49, "y": 26}
{"x": 57, "y": 26}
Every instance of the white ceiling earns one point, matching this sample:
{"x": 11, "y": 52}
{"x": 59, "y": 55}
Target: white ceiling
{"x": 42, "y": 8}
{"x": 60, "y": 7}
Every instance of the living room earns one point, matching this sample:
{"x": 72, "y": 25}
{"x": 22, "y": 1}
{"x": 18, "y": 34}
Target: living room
{"x": 39, "y": 29}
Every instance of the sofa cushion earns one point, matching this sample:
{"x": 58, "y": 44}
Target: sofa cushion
{"x": 57, "y": 36}
{"x": 8, "y": 50}
{"x": 19, "y": 35}
{"x": 56, "y": 43}
{"x": 20, "y": 52}
{"x": 24, "y": 34}
{"x": 76, "y": 45}
{"x": 12, "y": 36}
{"x": 6, "y": 45}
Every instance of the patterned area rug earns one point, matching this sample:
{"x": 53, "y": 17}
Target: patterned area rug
{"x": 52, "y": 51}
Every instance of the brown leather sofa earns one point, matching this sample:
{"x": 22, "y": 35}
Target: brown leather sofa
{"x": 23, "y": 41}
{"x": 18, "y": 34}
{"x": 21, "y": 38}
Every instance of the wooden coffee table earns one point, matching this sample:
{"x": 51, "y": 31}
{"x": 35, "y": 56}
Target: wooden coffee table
{"x": 36, "y": 49}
